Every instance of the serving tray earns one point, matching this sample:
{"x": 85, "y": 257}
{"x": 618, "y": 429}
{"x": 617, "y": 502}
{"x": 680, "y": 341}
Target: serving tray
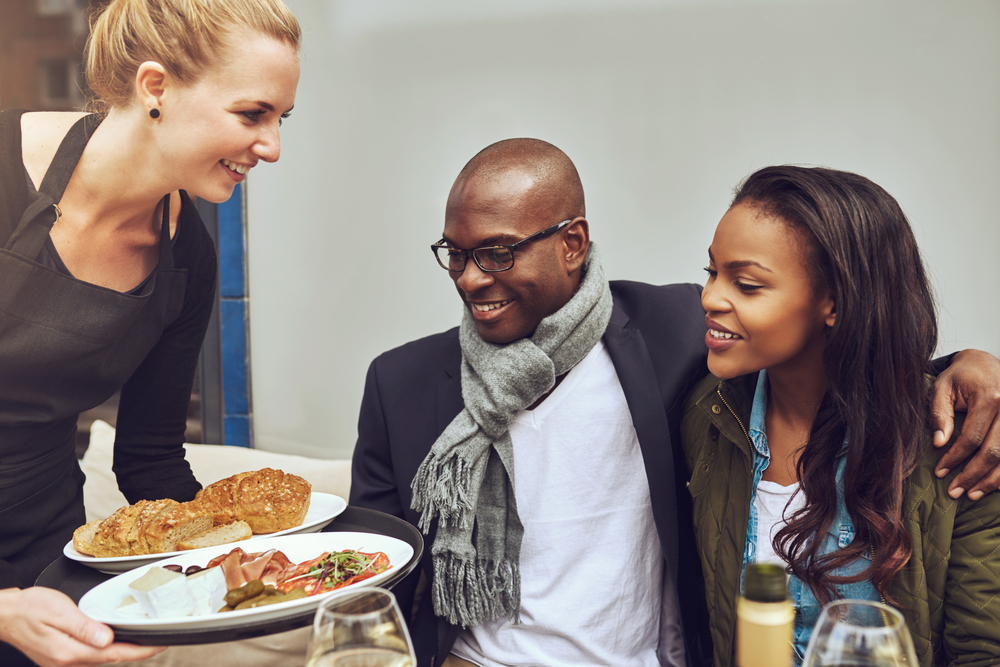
{"x": 75, "y": 580}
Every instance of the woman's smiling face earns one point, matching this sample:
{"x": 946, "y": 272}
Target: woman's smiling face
{"x": 227, "y": 122}
{"x": 761, "y": 307}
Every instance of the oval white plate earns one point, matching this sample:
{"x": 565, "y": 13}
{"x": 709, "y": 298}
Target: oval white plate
{"x": 101, "y": 602}
{"x": 323, "y": 508}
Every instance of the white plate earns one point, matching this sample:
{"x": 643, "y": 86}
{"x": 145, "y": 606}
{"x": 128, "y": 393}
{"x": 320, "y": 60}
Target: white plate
{"x": 101, "y": 602}
{"x": 323, "y": 508}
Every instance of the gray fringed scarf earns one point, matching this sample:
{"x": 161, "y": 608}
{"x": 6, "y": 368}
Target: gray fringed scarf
{"x": 467, "y": 479}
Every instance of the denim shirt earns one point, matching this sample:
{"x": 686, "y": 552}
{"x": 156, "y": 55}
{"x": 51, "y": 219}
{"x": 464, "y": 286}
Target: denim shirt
{"x": 807, "y": 607}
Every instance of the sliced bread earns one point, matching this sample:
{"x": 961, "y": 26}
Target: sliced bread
{"x": 83, "y": 537}
{"x": 150, "y": 512}
{"x": 236, "y": 531}
{"x": 111, "y": 538}
{"x": 177, "y": 524}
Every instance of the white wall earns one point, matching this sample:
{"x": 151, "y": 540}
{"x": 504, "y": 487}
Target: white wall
{"x": 663, "y": 105}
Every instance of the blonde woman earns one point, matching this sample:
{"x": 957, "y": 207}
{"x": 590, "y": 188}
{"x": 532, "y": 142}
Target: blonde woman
{"x": 108, "y": 274}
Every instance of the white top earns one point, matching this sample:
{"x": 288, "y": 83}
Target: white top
{"x": 591, "y": 565}
{"x": 773, "y": 508}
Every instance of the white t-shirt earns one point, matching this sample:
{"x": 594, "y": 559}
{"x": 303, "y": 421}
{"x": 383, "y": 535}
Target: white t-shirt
{"x": 591, "y": 564}
{"x": 772, "y": 510}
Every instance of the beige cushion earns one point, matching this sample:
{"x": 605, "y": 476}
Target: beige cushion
{"x": 211, "y": 463}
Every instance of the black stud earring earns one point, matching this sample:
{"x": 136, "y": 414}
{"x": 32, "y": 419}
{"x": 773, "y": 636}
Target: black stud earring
{"x": 154, "y": 113}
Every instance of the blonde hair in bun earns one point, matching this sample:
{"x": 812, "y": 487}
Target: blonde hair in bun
{"x": 184, "y": 36}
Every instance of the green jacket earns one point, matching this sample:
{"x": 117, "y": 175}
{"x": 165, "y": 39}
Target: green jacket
{"x": 949, "y": 591}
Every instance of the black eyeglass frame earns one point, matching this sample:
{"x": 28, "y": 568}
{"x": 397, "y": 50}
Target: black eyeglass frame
{"x": 511, "y": 247}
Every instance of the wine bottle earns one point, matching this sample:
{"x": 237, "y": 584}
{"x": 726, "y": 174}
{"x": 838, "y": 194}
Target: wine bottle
{"x": 764, "y": 617}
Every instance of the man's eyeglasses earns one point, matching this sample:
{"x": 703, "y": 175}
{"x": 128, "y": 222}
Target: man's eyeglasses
{"x": 490, "y": 258}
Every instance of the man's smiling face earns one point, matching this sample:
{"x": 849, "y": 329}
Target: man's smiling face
{"x": 504, "y": 209}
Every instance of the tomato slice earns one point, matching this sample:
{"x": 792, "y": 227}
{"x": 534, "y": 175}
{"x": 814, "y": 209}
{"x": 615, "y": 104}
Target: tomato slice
{"x": 379, "y": 564}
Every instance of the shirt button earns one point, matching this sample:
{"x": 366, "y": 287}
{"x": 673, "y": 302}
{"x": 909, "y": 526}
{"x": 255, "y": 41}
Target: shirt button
{"x": 704, "y": 468}
{"x": 716, "y": 409}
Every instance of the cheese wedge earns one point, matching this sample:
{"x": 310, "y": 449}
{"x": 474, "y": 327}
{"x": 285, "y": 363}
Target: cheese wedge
{"x": 130, "y": 607}
{"x": 209, "y": 590}
{"x": 166, "y": 594}
{"x": 163, "y": 593}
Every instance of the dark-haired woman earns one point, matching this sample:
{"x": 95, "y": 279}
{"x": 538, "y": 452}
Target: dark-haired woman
{"x": 808, "y": 444}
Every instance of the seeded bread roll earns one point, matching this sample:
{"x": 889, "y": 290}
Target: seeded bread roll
{"x": 269, "y": 500}
{"x": 218, "y": 498}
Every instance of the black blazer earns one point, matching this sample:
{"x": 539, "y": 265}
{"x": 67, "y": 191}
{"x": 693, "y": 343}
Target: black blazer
{"x": 656, "y": 341}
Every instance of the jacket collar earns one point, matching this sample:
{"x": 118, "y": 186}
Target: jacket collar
{"x": 728, "y": 404}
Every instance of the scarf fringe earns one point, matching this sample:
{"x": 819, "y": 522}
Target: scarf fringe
{"x": 468, "y": 592}
{"x": 440, "y": 488}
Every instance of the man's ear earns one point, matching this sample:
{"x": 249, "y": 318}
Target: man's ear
{"x": 150, "y": 83}
{"x": 576, "y": 241}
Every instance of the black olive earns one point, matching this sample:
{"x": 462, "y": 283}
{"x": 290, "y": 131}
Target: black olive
{"x": 192, "y": 569}
{"x": 173, "y": 568}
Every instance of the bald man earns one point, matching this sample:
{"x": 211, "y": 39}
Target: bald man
{"x": 547, "y": 495}
{"x": 536, "y": 446}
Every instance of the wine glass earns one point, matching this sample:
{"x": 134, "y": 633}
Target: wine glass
{"x": 361, "y": 628}
{"x": 862, "y": 633}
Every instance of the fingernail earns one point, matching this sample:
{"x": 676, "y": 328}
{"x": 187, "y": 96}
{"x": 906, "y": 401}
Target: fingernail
{"x": 956, "y": 493}
{"x": 975, "y": 495}
{"x": 938, "y": 438}
{"x": 101, "y": 637}
{"x": 943, "y": 472}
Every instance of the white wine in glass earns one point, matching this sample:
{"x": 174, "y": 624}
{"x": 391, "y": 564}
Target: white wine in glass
{"x": 860, "y": 633}
{"x": 360, "y": 628}
{"x": 362, "y": 657}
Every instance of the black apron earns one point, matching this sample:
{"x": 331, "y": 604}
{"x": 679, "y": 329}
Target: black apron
{"x": 65, "y": 346}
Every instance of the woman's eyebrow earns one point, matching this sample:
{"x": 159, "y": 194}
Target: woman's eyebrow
{"x": 741, "y": 263}
{"x": 266, "y": 105}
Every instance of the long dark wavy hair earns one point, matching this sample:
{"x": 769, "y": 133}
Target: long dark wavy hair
{"x": 860, "y": 248}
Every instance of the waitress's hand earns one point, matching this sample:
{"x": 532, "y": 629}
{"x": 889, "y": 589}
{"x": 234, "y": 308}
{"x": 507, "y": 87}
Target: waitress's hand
{"x": 52, "y": 631}
{"x": 972, "y": 384}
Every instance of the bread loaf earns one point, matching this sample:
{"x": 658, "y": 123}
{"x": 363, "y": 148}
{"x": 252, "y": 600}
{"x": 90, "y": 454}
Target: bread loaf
{"x": 230, "y": 510}
{"x": 269, "y": 500}
{"x": 218, "y": 497}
